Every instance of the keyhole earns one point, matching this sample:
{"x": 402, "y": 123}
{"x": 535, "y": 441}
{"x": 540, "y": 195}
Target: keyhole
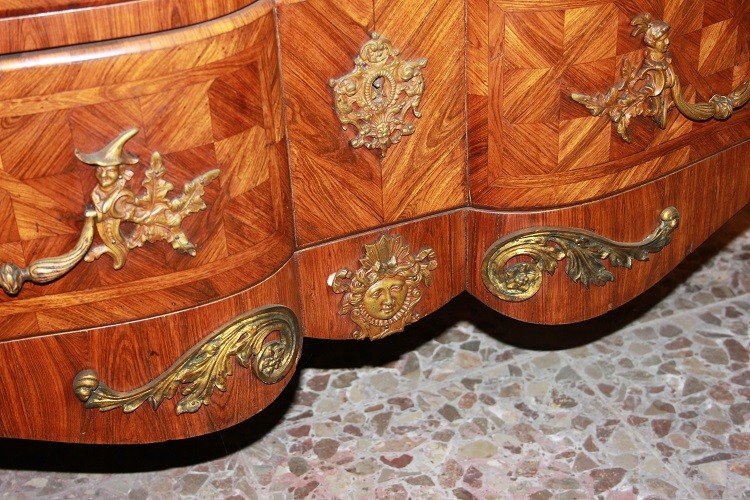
{"x": 378, "y": 86}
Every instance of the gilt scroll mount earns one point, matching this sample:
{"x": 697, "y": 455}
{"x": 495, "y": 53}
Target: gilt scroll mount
{"x": 544, "y": 247}
{"x": 376, "y": 96}
{"x": 268, "y": 340}
{"x": 654, "y": 88}
{"x": 154, "y": 215}
{"x": 380, "y": 296}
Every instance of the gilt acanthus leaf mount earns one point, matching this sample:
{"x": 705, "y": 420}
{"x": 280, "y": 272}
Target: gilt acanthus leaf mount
{"x": 267, "y": 340}
{"x": 513, "y": 266}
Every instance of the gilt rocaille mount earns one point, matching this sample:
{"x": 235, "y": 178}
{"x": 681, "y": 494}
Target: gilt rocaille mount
{"x": 654, "y": 88}
{"x": 155, "y": 216}
{"x": 207, "y": 365}
{"x": 584, "y": 250}
{"x": 381, "y": 295}
{"x": 377, "y": 95}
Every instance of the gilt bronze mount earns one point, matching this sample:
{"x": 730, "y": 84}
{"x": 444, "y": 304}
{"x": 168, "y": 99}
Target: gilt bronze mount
{"x": 584, "y": 250}
{"x": 207, "y": 366}
{"x": 155, "y": 216}
{"x": 377, "y": 95}
{"x": 380, "y": 296}
{"x": 654, "y": 88}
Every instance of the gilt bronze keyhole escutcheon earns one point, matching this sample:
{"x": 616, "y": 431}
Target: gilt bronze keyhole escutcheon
{"x": 377, "y": 95}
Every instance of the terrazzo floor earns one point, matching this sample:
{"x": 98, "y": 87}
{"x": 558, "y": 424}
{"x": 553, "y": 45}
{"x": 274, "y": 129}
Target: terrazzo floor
{"x": 649, "y": 401}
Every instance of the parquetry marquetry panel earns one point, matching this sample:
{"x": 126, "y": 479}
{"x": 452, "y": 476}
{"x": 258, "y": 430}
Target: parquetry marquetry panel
{"x": 201, "y": 109}
{"x": 337, "y": 189}
{"x": 426, "y": 172}
{"x": 526, "y": 58}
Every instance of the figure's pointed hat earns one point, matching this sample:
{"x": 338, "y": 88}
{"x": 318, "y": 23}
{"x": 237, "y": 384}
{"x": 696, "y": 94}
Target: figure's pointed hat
{"x": 112, "y": 154}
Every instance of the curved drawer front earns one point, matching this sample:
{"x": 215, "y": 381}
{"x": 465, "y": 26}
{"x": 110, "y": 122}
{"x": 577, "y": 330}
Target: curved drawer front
{"x": 533, "y": 145}
{"x": 199, "y": 108}
{"x": 571, "y": 264}
{"x": 372, "y": 285}
{"x": 43, "y": 24}
{"x": 176, "y": 376}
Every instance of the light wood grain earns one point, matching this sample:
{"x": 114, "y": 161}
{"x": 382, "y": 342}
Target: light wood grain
{"x": 426, "y": 173}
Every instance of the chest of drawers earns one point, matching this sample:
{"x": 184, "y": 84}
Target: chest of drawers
{"x": 188, "y": 189}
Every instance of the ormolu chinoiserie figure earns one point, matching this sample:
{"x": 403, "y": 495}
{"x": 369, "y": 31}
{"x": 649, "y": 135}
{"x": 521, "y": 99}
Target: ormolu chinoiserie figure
{"x": 155, "y": 216}
{"x": 112, "y": 199}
